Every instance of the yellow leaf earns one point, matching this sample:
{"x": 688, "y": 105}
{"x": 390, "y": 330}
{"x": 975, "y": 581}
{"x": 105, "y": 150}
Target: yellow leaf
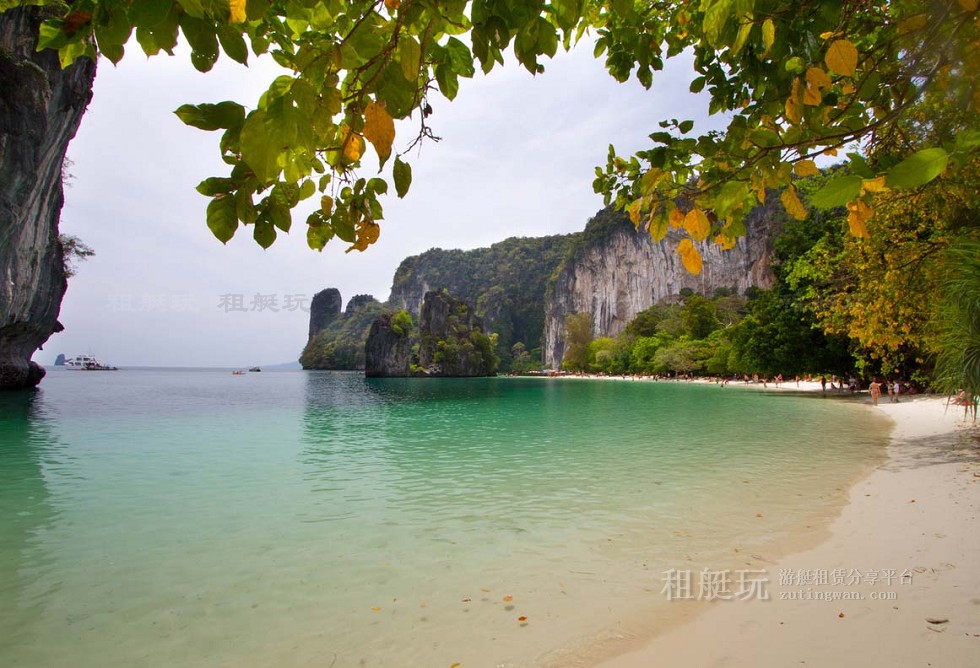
{"x": 847, "y": 88}
{"x": 827, "y": 35}
{"x": 676, "y": 218}
{"x": 768, "y": 33}
{"x": 353, "y": 147}
{"x": 326, "y": 204}
{"x": 237, "y": 13}
{"x": 367, "y": 233}
{"x": 858, "y": 213}
{"x": 760, "y": 194}
{"x": 634, "y": 211}
{"x": 792, "y": 203}
{"x": 875, "y": 185}
{"x": 818, "y": 77}
{"x": 690, "y": 257}
{"x": 805, "y": 168}
{"x": 393, "y": 5}
{"x": 697, "y": 224}
{"x": 379, "y": 129}
{"x": 842, "y": 57}
{"x": 794, "y": 110}
{"x": 812, "y": 96}
{"x": 725, "y": 242}
{"x": 968, "y": 5}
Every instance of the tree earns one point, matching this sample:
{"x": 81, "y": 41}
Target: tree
{"x": 578, "y": 335}
{"x": 797, "y": 80}
{"x": 958, "y": 366}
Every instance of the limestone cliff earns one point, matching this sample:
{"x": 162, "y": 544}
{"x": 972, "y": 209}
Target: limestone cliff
{"x": 337, "y": 338}
{"x": 41, "y": 106}
{"x": 450, "y": 342}
{"x": 505, "y": 284}
{"x": 387, "y": 350}
{"x": 324, "y": 309}
{"x": 615, "y": 272}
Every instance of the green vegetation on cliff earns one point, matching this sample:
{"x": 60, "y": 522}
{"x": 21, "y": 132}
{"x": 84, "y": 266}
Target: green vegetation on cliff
{"x": 340, "y": 345}
{"x": 506, "y": 283}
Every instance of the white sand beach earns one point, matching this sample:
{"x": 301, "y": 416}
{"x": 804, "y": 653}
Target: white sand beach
{"x": 902, "y": 562}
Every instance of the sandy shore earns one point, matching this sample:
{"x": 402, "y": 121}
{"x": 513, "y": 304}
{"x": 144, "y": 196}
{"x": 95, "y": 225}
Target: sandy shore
{"x": 903, "y": 556}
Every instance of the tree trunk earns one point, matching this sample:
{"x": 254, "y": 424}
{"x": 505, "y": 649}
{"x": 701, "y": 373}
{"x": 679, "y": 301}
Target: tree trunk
{"x": 41, "y": 106}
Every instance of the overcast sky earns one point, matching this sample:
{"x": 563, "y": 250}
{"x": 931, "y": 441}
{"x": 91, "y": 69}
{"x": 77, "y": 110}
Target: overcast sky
{"x": 517, "y": 159}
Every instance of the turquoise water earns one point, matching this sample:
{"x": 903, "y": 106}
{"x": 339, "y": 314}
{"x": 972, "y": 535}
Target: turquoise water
{"x": 196, "y": 518}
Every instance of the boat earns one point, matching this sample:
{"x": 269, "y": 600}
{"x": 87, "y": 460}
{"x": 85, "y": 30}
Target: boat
{"x": 255, "y": 369}
{"x": 87, "y": 363}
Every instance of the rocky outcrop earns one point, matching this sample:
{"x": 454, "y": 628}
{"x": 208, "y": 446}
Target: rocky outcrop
{"x": 41, "y": 106}
{"x": 452, "y": 340}
{"x": 337, "y": 339}
{"x": 356, "y": 302}
{"x": 324, "y": 309}
{"x": 504, "y": 283}
{"x": 387, "y": 350}
{"x": 617, "y": 271}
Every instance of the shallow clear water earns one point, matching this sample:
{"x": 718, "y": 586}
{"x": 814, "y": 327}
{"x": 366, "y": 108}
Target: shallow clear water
{"x": 196, "y": 518}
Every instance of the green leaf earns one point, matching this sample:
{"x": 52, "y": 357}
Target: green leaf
{"x": 918, "y": 169}
{"x": 685, "y": 126}
{"x": 409, "y": 58}
{"x": 837, "y": 192}
{"x": 222, "y": 219}
{"x": 233, "y": 44}
{"x": 215, "y": 186}
{"x": 257, "y": 150}
{"x": 264, "y": 233}
{"x": 447, "y": 80}
{"x": 403, "y": 176}
{"x": 765, "y": 138}
{"x": 222, "y": 115}
{"x": 860, "y": 166}
{"x": 967, "y": 139}
{"x": 567, "y": 13}
{"x": 716, "y": 14}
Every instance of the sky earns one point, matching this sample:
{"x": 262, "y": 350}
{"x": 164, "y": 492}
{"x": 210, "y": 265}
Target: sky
{"x": 517, "y": 158}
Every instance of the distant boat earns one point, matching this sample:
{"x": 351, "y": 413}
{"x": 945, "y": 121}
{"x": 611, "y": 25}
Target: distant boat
{"x": 87, "y": 363}
{"x": 237, "y": 372}
{"x": 255, "y": 368}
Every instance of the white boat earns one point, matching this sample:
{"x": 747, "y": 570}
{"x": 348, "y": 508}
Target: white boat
{"x": 87, "y": 363}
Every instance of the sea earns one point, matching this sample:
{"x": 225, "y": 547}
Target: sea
{"x": 192, "y": 517}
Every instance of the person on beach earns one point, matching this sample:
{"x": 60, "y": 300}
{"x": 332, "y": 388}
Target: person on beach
{"x": 875, "y": 389}
{"x": 823, "y": 384}
{"x": 897, "y": 388}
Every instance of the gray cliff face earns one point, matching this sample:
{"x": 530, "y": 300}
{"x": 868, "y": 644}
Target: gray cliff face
{"x": 357, "y": 301}
{"x": 41, "y": 106}
{"x": 620, "y": 272}
{"x": 386, "y": 352}
{"x": 324, "y": 309}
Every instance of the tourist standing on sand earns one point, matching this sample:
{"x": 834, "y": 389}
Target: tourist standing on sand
{"x": 823, "y": 384}
{"x": 875, "y": 389}
{"x": 896, "y": 390}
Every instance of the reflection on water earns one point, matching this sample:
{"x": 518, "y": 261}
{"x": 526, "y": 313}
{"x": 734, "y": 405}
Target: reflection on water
{"x": 28, "y": 452}
{"x": 197, "y": 518}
